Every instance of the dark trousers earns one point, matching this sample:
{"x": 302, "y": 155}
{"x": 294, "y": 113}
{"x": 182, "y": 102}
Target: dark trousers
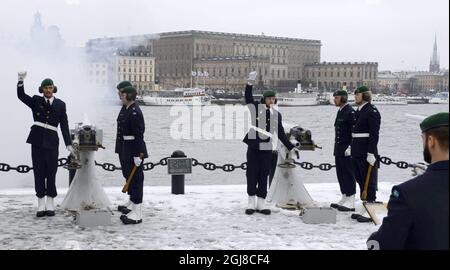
{"x": 136, "y": 188}
{"x": 122, "y": 162}
{"x": 45, "y": 165}
{"x": 361, "y": 167}
{"x": 345, "y": 175}
{"x": 258, "y": 170}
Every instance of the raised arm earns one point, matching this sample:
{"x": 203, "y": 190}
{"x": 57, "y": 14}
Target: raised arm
{"x": 249, "y": 88}
{"x": 21, "y": 90}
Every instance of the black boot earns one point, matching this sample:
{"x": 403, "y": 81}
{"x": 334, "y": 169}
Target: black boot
{"x": 261, "y": 206}
{"x": 127, "y": 221}
{"x": 362, "y": 219}
{"x": 250, "y": 211}
{"x": 41, "y": 213}
{"x": 135, "y": 217}
{"x": 41, "y": 207}
{"x": 264, "y": 211}
{"x": 123, "y": 209}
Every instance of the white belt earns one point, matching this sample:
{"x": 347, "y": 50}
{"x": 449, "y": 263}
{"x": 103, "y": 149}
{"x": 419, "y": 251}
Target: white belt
{"x": 262, "y": 131}
{"x": 360, "y": 135}
{"x": 128, "y": 138}
{"x": 47, "y": 126}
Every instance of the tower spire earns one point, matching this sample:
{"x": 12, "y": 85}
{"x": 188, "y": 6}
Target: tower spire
{"x": 434, "y": 63}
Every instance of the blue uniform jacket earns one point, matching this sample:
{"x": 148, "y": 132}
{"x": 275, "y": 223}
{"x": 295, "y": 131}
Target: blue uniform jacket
{"x": 418, "y": 213}
{"x": 254, "y": 143}
{"x": 53, "y": 115}
{"x": 343, "y": 130}
{"x": 130, "y": 123}
{"x": 368, "y": 120}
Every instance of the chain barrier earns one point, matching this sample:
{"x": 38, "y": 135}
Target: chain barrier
{"x": 25, "y": 168}
{"x": 209, "y": 166}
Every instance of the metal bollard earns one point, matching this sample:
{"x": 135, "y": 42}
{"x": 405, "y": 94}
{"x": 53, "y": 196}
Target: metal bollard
{"x": 178, "y": 180}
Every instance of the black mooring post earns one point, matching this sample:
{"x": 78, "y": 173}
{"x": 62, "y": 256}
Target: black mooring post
{"x": 178, "y": 180}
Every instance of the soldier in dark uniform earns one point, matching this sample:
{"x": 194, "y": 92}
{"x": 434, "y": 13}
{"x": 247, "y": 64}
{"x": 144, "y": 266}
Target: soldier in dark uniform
{"x": 342, "y": 152}
{"x": 124, "y": 208}
{"x": 364, "y": 150}
{"x": 266, "y": 122}
{"x": 48, "y": 113}
{"x": 418, "y": 209}
{"x": 132, "y": 151}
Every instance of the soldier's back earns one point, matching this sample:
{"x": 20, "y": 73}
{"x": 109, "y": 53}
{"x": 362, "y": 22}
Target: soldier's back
{"x": 427, "y": 197}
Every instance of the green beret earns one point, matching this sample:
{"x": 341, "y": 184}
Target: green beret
{"x": 362, "y": 89}
{"x": 123, "y": 84}
{"x": 46, "y": 82}
{"x": 434, "y": 121}
{"x": 269, "y": 93}
{"x": 128, "y": 89}
{"x": 340, "y": 93}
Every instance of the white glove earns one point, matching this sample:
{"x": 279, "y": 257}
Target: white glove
{"x": 371, "y": 159}
{"x": 418, "y": 169}
{"x": 348, "y": 152}
{"x": 252, "y": 77}
{"x": 22, "y": 75}
{"x": 71, "y": 150}
{"x": 137, "y": 161}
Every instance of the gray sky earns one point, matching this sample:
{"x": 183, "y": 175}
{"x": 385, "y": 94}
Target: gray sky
{"x": 399, "y": 34}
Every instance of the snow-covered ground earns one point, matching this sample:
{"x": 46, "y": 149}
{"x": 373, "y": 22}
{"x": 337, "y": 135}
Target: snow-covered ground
{"x": 207, "y": 217}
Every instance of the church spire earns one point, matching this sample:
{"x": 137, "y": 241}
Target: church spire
{"x": 434, "y": 63}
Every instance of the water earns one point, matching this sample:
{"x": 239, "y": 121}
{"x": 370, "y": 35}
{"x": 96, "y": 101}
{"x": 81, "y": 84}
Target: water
{"x": 399, "y": 139}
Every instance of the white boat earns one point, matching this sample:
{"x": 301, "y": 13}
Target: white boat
{"x": 418, "y": 100}
{"x": 389, "y": 100}
{"x": 440, "y": 98}
{"x": 377, "y": 100}
{"x": 177, "y": 97}
{"x": 297, "y": 99}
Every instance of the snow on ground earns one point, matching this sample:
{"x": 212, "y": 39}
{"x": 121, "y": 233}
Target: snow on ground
{"x": 207, "y": 217}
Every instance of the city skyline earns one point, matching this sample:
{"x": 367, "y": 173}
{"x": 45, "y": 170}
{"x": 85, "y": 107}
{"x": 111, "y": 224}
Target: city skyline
{"x": 398, "y": 34}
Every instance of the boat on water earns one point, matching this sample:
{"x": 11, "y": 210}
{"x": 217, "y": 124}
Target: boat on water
{"x": 227, "y": 94}
{"x": 377, "y": 99}
{"x": 389, "y": 100}
{"x": 439, "y": 98}
{"x": 177, "y": 97}
{"x": 298, "y": 99}
{"x": 418, "y": 100}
